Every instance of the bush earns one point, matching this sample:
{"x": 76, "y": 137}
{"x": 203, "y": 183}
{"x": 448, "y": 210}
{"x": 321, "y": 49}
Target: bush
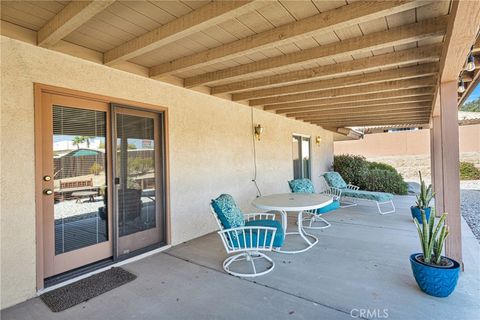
{"x": 381, "y": 166}
{"x": 372, "y": 176}
{"x": 352, "y": 168}
{"x": 384, "y": 181}
{"x": 468, "y": 171}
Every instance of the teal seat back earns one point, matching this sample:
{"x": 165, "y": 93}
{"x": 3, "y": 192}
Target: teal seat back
{"x": 228, "y": 212}
{"x": 301, "y": 185}
{"x": 334, "y": 179}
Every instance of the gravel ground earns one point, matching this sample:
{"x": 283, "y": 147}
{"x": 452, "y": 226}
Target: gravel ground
{"x": 470, "y": 202}
{"x": 470, "y": 205}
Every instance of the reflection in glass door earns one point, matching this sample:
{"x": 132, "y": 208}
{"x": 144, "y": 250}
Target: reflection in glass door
{"x": 75, "y": 177}
{"x": 138, "y": 170}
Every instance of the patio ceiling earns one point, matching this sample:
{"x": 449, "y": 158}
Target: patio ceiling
{"x": 330, "y": 63}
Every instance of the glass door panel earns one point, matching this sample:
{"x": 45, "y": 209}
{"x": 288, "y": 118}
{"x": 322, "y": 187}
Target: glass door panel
{"x": 80, "y": 180}
{"x": 75, "y": 180}
{"x": 138, "y": 177}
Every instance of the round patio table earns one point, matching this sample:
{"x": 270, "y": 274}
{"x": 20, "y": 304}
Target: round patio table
{"x": 293, "y": 202}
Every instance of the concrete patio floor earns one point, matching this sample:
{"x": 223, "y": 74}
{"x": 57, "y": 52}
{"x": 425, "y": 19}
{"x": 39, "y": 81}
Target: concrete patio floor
{"x": 360, "y": 263}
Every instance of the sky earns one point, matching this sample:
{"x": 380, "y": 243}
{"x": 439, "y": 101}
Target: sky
{"x": 474, "y": 95}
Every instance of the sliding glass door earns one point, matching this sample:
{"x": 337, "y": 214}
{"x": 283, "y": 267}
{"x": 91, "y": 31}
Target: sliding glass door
{"x": 102, "y": 182}
{"x": 139, "y": 179}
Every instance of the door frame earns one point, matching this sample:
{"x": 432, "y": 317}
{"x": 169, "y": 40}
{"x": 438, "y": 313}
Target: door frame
{"x": 39, "y": 91}
{"x": 117, "y": 109}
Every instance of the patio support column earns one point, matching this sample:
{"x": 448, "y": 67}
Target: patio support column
{"x": 445, "y": 169}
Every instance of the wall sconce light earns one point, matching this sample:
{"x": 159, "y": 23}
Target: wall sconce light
{"x": 258, "y": 131}
{"x": 318, "y": 140}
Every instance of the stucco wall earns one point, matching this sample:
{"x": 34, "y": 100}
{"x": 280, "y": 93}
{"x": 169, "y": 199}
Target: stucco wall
{"x": 406, "y": 143}
{"x": 210, "y": 150}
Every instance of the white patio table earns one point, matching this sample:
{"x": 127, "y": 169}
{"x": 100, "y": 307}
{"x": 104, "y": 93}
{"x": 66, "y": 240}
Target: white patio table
{"x": 293, "y": 202}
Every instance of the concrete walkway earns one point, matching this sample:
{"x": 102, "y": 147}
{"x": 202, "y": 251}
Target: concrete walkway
{"x": 360, "y": 263}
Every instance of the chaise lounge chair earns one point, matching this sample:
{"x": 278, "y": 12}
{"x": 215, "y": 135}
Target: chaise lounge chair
{"x": 247, "y": 235}
{"x": 312, "y": 216}
{"x": 353, "y": 193}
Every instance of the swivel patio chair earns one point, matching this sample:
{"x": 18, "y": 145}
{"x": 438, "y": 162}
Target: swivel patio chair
{"x": 313, "y": 216}
{"x": 351, "y": 194}
{"x": 246, "y": 236}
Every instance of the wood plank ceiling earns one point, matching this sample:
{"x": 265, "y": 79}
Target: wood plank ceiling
{"x": 331, "y": 63}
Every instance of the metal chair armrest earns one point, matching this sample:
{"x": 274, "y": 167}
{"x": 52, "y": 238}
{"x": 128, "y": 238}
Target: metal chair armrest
{"x": 258, "y": 216}
{"x": 333, "y": 192}
{"x": 352, "y": 187}
{"x": 230, "y": 238}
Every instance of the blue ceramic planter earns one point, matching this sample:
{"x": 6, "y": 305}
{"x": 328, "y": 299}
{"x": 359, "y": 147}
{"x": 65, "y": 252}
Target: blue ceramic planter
{"x": 433, "y": 280}
{"x": 416, "y": 213}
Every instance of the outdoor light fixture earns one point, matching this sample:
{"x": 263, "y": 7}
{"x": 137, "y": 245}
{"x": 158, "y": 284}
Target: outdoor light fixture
{"x": 470, "y": 63}
{"x": 318, "y": 140}
{"x": 461, "y": 86}
{"x": 258, "y": 131}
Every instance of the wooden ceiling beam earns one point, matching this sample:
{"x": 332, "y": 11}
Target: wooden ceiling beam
{"x": 206, "y": 16}
{"x": 359, "y": 109}
{"x": 463, "y": 29}
{"x": 476, "y": 46}
{"x": 357, "y": 99}
{"x": 339, "y": 18}
{"x": 395, "y": 36}
{"x": 358, "y": 105}
{"x": 429, "y": 53}
{"x": 365, "y": 113}
{"x": 407, "y": 119}
{"x": 351, "y": 91}
{"x": 375, "y": 121}
{"x": 72, "y": 16}
{"x": 343, "y": 82}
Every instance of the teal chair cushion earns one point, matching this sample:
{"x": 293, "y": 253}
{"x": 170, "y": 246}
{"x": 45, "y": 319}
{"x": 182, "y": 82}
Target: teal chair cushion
{"x": 334, "y": 179}
{"x": 369, "y": 195}
{"x": 247, "y": 241}
{"x": 332, "y": 206}
{"x": 227, "y": 211}
{"x": 301, "y": 185}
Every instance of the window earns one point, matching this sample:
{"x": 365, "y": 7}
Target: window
{"x": 301, "y": 157}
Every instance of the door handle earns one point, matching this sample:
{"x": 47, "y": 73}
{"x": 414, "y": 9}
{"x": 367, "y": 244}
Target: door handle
{"x": 48, "y": 192}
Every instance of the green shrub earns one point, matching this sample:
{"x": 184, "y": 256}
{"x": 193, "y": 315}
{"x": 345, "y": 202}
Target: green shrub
{"x": 384, "y": 181}
{"x": 468, "y": 171}
{"x": 381, "y": 166}
{"x": 372, "y": 176}
{"x": 352, "y": 168}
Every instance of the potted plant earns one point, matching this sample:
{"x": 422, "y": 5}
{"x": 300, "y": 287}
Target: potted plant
{"x": 435, "y": 274}
{"x": 423, "y": 201}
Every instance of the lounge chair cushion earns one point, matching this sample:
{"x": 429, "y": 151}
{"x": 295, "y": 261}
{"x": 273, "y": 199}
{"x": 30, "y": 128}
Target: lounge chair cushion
{"x": 247, "y": 241}
{"x": 334, "y": 179}
{"x": 369, "y": 195}
{"x": 332, "y": 206}
{"x": 227, "y": 211}
{"x": 301, "y": 185}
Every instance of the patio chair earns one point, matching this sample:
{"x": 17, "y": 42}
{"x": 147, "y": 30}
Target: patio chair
{"x": 247, "y": 236}
{"x": 313, "y": 216}
{"x": 350, "y": 193}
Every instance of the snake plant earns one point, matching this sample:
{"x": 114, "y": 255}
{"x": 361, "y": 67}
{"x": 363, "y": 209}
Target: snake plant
{"x": 426, "y": 194}
{"x": 432, "y": 237}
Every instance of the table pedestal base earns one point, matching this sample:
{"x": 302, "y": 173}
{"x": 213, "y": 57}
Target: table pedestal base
{"x": 301, "y": 232}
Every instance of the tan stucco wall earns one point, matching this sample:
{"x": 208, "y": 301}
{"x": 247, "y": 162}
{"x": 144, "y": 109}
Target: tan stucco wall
{"x": 210, "y": 150}
{"x": 409, "y": 151}
{"x": 406, "y": 143}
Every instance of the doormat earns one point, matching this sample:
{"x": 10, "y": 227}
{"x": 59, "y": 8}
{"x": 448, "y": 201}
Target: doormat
{"x": 70, "y": 295}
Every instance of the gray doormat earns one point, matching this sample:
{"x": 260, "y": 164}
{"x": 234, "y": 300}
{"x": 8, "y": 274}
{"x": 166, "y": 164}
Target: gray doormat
{"x": 66, "y": 297}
